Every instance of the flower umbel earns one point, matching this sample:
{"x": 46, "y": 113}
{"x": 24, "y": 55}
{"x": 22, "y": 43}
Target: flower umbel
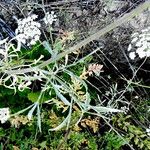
{"x": 49, "y": 18}
{"x": 141, "y": 43}
{"x": 28, "y": 31}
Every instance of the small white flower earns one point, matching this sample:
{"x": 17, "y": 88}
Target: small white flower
{"x": 140, "y": 51}
{"x": 135, "y": 34}
{"x": 145, "y": 30}
{"x": 138, "y": 44}
{"x": 125, "y": 109}
{"x": 36, "y": 38}
{"x": 21, "y": 38}
{"x": 148, "y": 38}
{"x": 136, "y": 97}
{"x": 132, "y": 55}
{"x": 4, "y": 114}
{"x": 129, "y": 47}
{"x": 34, "y": 16}
{"x": 49, "y": 18}
{"x": 148, "y": 131}
{"x": 32, "y": 42}
{"x": 134, "y": 40}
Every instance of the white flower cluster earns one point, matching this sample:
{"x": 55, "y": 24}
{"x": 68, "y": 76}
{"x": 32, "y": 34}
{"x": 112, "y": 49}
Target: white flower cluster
{"x": 49, "y": 18}
{"x": 141, "y": 43}
{"x": 4, "y": 114}
{"x": 28, "y": 31}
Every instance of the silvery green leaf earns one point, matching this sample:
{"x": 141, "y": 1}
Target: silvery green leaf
{"x": 39, "y": 118}
{"x": 65, "y": 101}
{"x": 101, "y": 109}
{"x": 48, "y": 47}
{"x": 30, "y": 113}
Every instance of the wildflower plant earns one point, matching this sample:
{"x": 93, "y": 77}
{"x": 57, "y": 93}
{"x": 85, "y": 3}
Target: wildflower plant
{"x": 18, "y": 73}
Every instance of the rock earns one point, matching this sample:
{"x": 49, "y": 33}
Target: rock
{"x": 114, "y": 5}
